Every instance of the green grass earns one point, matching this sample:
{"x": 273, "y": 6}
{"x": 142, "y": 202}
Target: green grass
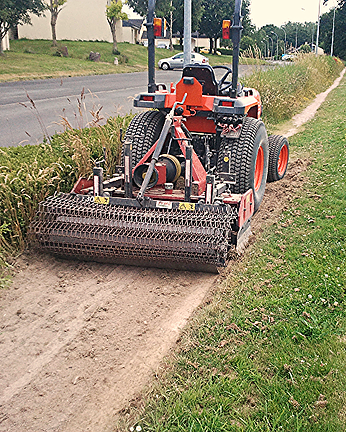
{"x": 268, "y": 353}
{"x": 33, "y": 59}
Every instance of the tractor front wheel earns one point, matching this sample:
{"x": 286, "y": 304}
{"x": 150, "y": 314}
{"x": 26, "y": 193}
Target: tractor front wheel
{"x": 248, "y": 158}
{"x": 278, "y": 157}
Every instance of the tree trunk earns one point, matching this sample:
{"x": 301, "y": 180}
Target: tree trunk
{"x": 114, "y": 35}
{"x": 53, "y": 21}
{"x": 2, "y": 36}
{"x": 210, "y": 45}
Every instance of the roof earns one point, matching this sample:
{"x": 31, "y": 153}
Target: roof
{"x": 134, "y": 23}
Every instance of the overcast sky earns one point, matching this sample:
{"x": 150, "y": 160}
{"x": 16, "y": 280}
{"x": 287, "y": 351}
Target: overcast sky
{"x": 279, "y": 12}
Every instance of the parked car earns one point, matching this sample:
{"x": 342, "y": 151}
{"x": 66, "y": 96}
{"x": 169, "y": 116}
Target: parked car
{"x": 206, "y": 51}
{"x": 177, "y": 61}
{"x": 162, "y": 45}
{"x": 288, "y": 57}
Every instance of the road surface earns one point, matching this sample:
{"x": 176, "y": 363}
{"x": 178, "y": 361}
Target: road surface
{"x": 23, "y": 122}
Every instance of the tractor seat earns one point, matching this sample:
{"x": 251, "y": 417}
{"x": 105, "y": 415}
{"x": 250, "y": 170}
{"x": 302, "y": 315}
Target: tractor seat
{"x": 204, "y": 74}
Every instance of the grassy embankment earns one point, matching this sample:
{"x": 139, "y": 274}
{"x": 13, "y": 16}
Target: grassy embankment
{"x": 33, "y": 59}
{"x": 268, "y": 352}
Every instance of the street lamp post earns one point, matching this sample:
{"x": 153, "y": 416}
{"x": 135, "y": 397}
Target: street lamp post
{"x": 277, "y": 44}
{"x": 285, "y": 40}
{"x": 332, "y": 44}
{"x": 265, "y": 47}
{"x": 318, "y": 26}
{"x": 272, "y": 45}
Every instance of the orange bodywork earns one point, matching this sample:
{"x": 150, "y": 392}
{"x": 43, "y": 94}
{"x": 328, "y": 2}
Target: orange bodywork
{"x": 196, "y": 103}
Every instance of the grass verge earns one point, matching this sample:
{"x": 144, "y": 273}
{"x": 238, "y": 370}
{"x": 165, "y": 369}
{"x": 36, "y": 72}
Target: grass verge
{"x": 268, "y": 352}
{"x": 34, "y": 59}
{"x": 286, "y": 90}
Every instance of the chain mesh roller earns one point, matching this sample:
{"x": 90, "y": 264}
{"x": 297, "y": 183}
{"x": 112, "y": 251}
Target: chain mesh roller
{"x": 69, "y": 226}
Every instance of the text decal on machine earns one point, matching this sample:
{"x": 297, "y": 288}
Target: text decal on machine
{"x": 186, "y": 206}
{"x": 101, "y": 200}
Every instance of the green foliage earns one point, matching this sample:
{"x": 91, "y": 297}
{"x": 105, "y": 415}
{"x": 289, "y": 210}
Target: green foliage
{"x": 15, "y": 12}
{"x": 305, "y": 48}
{"x": 113, "y": 11}
{"x": 55, "y": 5}
{"x": 215, "y": 11}
{"x": 339, "y": 31}
{"x": 246, "y": 43}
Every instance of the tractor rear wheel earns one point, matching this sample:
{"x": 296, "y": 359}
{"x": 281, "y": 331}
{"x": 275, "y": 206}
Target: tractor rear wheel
{"x": 278, "y": 157}
{"x": 143, "y": 131}
{"x": 248, "y": 158}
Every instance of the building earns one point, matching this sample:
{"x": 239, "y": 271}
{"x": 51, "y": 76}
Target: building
{"x": 84, "y": 20}
{"x": 5, "y": 43}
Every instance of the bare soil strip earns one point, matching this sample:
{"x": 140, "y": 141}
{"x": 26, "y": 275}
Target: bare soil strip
{"x": 79, "y": 340}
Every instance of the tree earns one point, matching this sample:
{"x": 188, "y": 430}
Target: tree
{"x": 114, "y": 13}
{"x": 196, "y": 15}
{"x": 55, "y": 7}
{"x": 14, "y": 12}
{"x": 173, "y": 11}
{"x": 339, "y": 47}
{"x": 215, "y": 11}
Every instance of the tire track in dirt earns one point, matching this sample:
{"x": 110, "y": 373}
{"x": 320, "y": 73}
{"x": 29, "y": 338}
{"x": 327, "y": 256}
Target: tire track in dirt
{"x": 79, "y": 340}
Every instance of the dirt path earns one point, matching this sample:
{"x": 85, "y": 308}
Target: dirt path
{"x": 79, "y": 340}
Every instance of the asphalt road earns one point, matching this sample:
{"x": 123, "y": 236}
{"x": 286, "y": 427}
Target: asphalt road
{"x": 25, "y": 122}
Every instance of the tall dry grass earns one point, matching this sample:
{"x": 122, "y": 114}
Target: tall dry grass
{"x": 287, "y": 89}
{"x": 31, "y": 173}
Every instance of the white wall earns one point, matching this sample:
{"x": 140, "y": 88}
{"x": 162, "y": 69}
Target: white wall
{"x": 78, "y": 20}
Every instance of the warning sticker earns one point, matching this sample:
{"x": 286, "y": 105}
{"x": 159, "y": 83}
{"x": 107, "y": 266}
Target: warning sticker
{"x": 164, "y": 204}
{"x": 186, "y": 206}
{"x": 101, "y": 200}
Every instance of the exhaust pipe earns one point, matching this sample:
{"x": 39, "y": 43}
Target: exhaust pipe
{"x": 236, "y": 35}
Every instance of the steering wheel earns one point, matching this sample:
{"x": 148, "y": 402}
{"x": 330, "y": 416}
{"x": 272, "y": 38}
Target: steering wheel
{"x": 223, "y": 84}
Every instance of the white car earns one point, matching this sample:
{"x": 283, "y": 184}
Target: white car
{"x": 177, "y": 61}
{"x": 288, "y": 57}
{"x": 162, "y": 45}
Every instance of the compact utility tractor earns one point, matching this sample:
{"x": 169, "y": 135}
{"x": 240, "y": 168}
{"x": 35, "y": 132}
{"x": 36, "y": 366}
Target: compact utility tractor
{"x": 194, "y": 170}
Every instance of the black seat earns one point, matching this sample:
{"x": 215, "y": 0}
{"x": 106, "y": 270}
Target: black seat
{"x": 204, "y": 74}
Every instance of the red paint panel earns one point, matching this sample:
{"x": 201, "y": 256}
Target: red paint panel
{"x": 200, "y": 124}
{"x": 246, "y": 207}
{"x": 82, "y": 183}
{"x": 198, "y": 172}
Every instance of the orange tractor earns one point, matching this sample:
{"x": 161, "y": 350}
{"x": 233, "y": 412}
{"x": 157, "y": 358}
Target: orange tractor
{"x": 194, "y": 171}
